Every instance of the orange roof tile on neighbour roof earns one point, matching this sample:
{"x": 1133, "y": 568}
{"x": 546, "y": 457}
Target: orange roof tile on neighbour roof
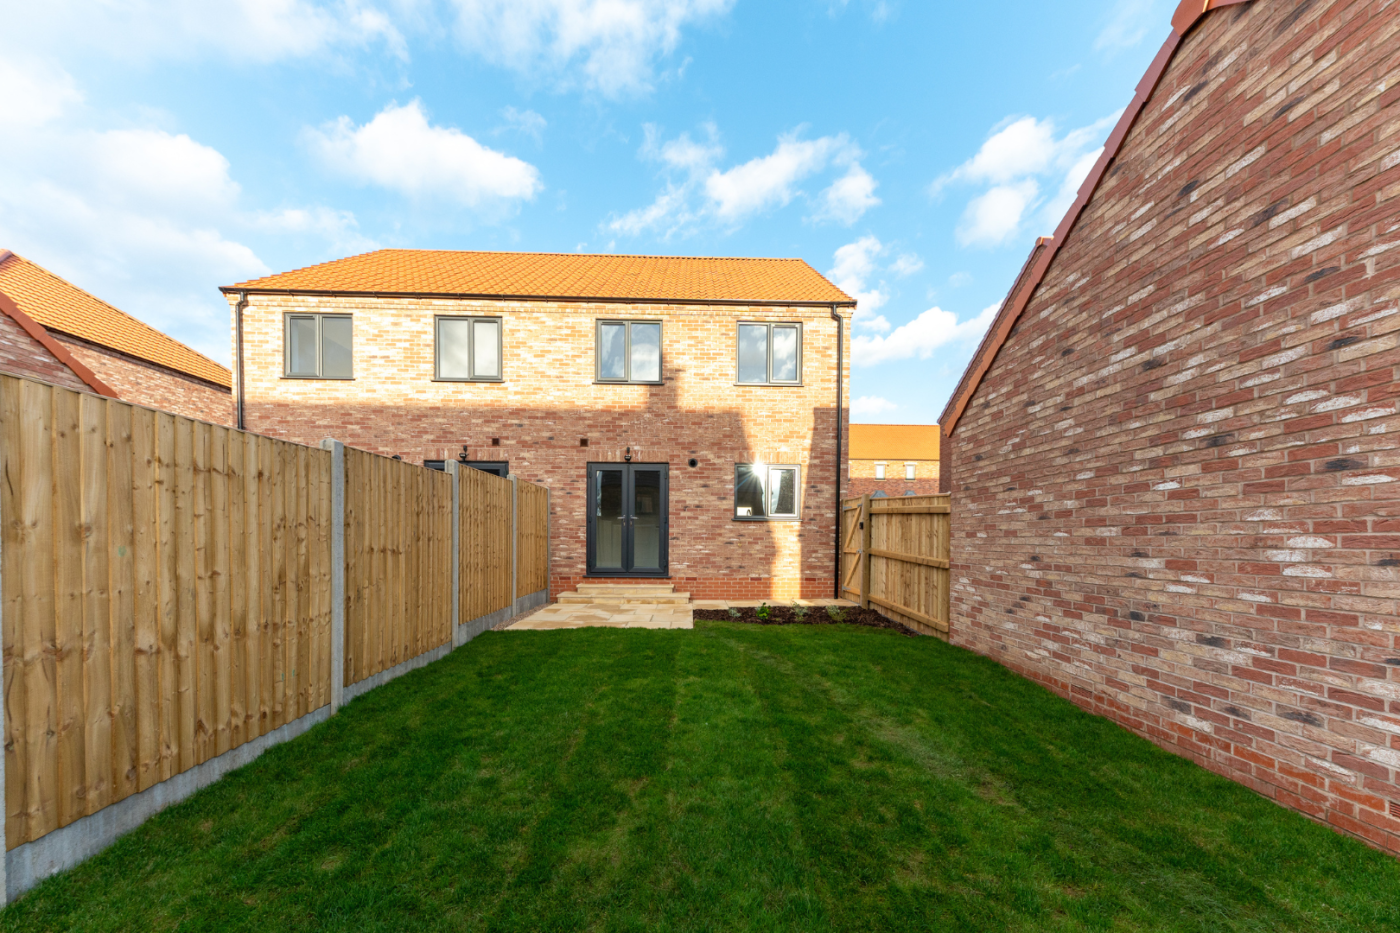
{"x": 560, "y": 276}
{"x": 62, "y": 307}
{"x": 894, "y": 442}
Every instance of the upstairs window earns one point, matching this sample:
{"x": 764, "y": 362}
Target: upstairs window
{"x": 318, "y": 346}
{"x": 908, "y": 471}
{"x": 770, "y": 354}
{"x": 629, "y": 351}
{"x": 468, "y": 349}
{"x": 879, "y": 471}
{"x": 767, "y": 492}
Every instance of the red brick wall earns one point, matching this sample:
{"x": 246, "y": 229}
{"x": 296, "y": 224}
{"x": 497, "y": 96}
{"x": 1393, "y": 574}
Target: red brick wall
{"x": 1177, "y": 492}
{"x": 549, "y": 401}
{"x": 897, "y": 486}
{"x": 22, "y": 355}
{"x": 143, "y": 383}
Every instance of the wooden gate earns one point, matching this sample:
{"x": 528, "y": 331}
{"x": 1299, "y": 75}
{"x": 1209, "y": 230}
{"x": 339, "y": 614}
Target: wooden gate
{"x": 894, "y": 558}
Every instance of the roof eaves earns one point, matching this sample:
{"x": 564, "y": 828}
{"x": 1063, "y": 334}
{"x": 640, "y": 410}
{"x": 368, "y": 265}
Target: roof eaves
{"x": 36, "y": 330}
{"x": 470, "y": 296}
{"x": 1188, "y": 13}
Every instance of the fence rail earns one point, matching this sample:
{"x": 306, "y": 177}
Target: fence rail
{"x": 169, "y": 594}
{"x": 895, "y": 556}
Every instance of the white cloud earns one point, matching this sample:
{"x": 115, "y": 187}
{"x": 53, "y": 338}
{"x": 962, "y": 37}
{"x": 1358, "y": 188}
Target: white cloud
{"x": 855, "y": 266}
{"x": 148, "y": 219}
{"x": 920, "y": 337}
{"x": 698, "y": 191}
{"x": 1013, "y": 165}
{"x": 607, "y": 45}
{"x": 907, "y": 264}
{"x": 849, "y": 197}
{"x": 91, "y": 206}
{"x": 993, "y": 217}
{"x": 1129, "y": 24}
{"x": 400, "y": 150}
{"x": 770, "y": 180}
{"x": 869, "y": 405}
{"x": 35, "y": 93}
{"x": 244, "y": 30}
{"x": 525, "y": 122}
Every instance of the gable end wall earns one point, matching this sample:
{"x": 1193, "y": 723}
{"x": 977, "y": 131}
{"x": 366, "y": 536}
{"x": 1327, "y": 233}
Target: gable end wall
{"x": 1177, "y": 490}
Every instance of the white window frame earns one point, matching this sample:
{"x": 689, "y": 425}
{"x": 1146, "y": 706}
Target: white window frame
{"x": 879, "y": 471}
{"x": 768, "y": 470}
{"x": 768, "y": 370}
{"x": 287, "y": 320}
{"x": 910, "y": 472}
{"x": 471, "y": 347}
{"x": 627, "y": 352}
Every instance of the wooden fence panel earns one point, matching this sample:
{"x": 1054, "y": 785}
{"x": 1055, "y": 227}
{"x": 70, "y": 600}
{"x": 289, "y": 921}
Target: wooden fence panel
{"x": 132, "y": 544}
{"x": 532, "y": 538}
{"x": 895, "y": 556}
{"x": 398, "y": 557}
{"x": 484, "y": 540}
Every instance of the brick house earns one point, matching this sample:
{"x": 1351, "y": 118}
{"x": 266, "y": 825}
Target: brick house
{"x": 1175, "y": 460}
{"x": 52, "y": 330}
{"x": 687, "y": 415}
{"x": 893, "y": 460}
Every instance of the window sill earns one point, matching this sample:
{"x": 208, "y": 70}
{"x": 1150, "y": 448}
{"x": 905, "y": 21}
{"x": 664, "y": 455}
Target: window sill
{"x": 792, "y": 518}
{"x": 493, "y": 381}
{"x": 320, "y": 378}
{"x": 618, "y": 382}
{"x": 769, "y": 385}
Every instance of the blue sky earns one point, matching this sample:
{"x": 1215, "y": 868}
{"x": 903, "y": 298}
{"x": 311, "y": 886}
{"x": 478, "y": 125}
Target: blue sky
{"x": 155, "y": 150}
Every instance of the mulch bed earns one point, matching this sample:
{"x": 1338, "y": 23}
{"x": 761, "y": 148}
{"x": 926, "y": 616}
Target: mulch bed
{"x": 816, "y": 615}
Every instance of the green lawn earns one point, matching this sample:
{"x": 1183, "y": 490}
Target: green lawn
{"x": 730, "y": 778}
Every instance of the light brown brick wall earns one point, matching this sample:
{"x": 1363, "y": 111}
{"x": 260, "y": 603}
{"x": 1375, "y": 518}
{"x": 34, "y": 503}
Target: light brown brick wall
{"x": 1177, "y": 493}
{"x": 143, "y": 383}
{"x": 861, "y": 478}
{"x": 22, "y": 355}
{"x": 549, "y": 401}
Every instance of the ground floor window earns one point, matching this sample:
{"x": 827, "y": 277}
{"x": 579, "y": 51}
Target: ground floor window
{"x": 767, "y": 492}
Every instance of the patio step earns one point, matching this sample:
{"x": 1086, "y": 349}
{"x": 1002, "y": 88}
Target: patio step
{"x": 625, "y": 594}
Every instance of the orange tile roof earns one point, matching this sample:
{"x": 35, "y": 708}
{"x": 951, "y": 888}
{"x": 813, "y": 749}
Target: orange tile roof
{"x": 62, "y": 307}
{"x": 894, "y": 442}
{"x": 561, "y": 275}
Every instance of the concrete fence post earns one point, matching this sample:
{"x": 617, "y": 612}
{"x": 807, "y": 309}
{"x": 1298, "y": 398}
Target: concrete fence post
{"x": 453, "y": 471}
{"x": 548, "y": 542}
{"x": 337, "y": 450}
{"x": 514, "y": 544}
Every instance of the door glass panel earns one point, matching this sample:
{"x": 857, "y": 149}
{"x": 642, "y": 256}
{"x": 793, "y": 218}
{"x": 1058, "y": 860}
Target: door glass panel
{"x": 607, "y": 520}
{"x": 748, "y": 492}
{"x": 612, "y": 351}
{"x": 301, "y": 354}
{"x": 646, "y": 525}
{"x": 646, "y": 352}
{"x": 335, "y": 348}
{"x": 784, "y": 354}
{"x": 753, "y": 353}
{"x": 486, "y": 349}
{"x": 782, "y": 492}
{"x": 453, "y": 352}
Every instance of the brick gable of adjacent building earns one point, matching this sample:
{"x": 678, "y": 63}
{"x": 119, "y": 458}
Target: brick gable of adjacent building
{"x": 1177, "y": 488}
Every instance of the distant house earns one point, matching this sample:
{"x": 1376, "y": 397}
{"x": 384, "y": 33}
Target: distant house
{"x": 893, "y": 460}
{"x": 52, "y": 330}
{"x": 687, "y": 414}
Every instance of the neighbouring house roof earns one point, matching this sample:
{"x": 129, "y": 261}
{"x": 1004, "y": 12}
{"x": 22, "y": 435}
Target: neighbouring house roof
{"x": 62, "y": 307}
{"x": 894, "y": 442}
{"x": 1187, "y": 14}
{"x": 565, "y": 276}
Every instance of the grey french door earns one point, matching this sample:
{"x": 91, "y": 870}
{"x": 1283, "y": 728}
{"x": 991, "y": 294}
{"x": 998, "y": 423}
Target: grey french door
{"x": 628, "y": 519}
